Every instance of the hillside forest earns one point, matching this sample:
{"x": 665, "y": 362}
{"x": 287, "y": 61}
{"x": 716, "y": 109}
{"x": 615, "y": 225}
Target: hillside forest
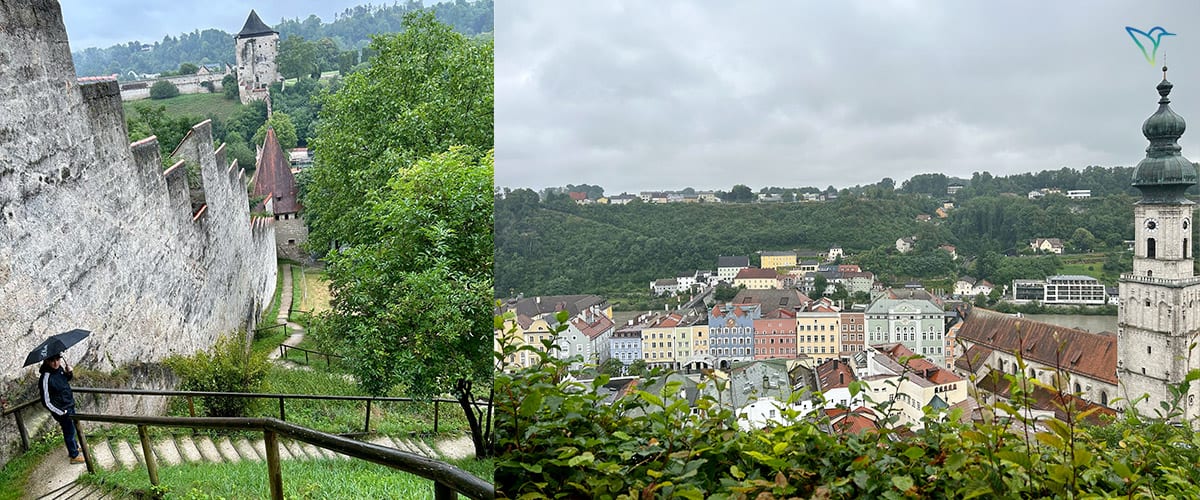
{"x": 555, "y": 246}
{"x": 340, "y": 44}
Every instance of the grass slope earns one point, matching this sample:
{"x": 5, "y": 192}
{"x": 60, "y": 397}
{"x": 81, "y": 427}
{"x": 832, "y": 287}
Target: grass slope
{"x": 192, "y": 104}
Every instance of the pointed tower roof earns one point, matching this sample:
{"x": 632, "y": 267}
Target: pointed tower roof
{"x": 254, "y": 27}
{"x": 273, "y": 177}
{"x": 1164, "y": 174}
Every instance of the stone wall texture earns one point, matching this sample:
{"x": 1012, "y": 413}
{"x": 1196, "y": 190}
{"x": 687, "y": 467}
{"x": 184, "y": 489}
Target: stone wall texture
{"x": 187, "y": 84}
{"x": 95, "y": 235}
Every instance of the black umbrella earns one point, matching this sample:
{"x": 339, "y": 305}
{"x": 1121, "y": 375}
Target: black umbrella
{"x": 55, "y": 345}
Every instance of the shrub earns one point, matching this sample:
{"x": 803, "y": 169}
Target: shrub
{"x": 208, "y": 86}
{"x": 559, "y": 438}
{"x": 229, "y": 85}
{"x": 230, "y": 366}
{"x": 163, "y": 89}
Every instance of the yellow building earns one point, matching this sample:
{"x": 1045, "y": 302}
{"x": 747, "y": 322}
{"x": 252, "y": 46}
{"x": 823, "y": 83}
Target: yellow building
{"x": 756, "y": 279}
{"x": 659, "y": 342}
{"x": 775, "y": 260}
{"x": 523, "y": 331}
{"x": 818, "y": 331}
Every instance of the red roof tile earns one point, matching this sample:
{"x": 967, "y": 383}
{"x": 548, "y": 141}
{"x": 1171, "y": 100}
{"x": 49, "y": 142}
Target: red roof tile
{"x": 1090, "y": 354}
{"x": 751, "y": 273}
{"x": 273, "y": 176}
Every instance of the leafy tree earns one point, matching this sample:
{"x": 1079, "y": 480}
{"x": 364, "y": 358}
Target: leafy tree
{"x": 724, "y": 292}
{"x": 163, "y": 89}
{"x": 399, "y": 109}
{"x": 612, "y": 367}
{"x": 296, "y": 57}
{"x": 820, "y": 283}
{"x": 236, "y": 149}
{"x": 402, "y": 183}
{"x": 188, "y": 69}
{"x": 637, "y": 368}
{"x": 229, "y": 86}
{"x": 740, "y": 193}
{"x": 285, "y": 132}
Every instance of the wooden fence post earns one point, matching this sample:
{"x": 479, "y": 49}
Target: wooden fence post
{"x": 274, "y": 474}
{"x": 151, "y": 464}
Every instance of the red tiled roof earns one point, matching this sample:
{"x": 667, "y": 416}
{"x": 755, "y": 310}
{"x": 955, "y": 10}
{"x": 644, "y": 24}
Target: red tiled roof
{"x": 1044, "y": 399}
{"x": 920, "y": 365}
{"x": 973, "y": 359}
{"x": 853, "y": 422}
{"x": 669, "y": 321}
{"x": 1090, "y": 354}
{"x": 594, "y": 329}
{"x": 834, "y": 374}
{"x": 273, "y": 177}
{"x": 755, "y": 273}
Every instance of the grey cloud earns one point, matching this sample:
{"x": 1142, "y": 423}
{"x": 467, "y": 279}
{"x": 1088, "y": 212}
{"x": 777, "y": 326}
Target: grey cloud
{"x": 671, "y": 94}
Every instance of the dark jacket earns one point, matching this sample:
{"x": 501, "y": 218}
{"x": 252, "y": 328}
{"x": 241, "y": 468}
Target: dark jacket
{"x": 56, "y": 392}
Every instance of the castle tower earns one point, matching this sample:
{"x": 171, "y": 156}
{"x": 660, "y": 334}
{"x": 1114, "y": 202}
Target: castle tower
{"x": 1154, "y": 327}
{"x": 275, "y": 183}
{"x": 257, "y": 46}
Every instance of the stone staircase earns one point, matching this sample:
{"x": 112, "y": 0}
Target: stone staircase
{"x": 110, "y": 454}
{"x": 114, "y": 453}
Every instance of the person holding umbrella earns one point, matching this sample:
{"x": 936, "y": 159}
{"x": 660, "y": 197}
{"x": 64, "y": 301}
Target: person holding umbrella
{"x": 54, "y": 384}
{"x": 56, "y": 396}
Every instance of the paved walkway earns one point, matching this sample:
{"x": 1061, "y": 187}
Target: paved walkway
{"x": 285, "y": 306}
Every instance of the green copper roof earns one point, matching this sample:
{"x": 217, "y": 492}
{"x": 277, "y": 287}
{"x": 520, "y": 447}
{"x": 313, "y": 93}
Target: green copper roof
{"x": 1164, "y": 174}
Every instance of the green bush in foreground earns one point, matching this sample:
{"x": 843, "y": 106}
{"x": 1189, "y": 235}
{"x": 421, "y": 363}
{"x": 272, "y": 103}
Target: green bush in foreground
{"x": 230, "y": 366}
{"x": 557, "y": 439}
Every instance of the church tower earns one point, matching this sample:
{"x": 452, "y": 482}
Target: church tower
{"x": 257, "y": 46}
{"x": 1157, "y": 319}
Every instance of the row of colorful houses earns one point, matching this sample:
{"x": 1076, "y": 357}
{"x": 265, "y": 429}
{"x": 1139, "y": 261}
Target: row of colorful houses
{"x": 757, "y": 324}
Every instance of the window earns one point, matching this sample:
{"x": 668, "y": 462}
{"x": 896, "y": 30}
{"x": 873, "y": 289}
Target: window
{"x": 1149, "y": 248}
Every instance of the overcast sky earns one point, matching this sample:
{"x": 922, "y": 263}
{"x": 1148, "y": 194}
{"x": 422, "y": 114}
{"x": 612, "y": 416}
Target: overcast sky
{"x": 670, "y": 94}
{"x": 92, "y": 23}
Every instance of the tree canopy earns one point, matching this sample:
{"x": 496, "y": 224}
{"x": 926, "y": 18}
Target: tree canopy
{"x": 400, "y": 193}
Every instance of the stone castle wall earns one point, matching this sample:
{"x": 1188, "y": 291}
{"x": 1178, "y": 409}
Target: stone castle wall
{"x": 95, "y": 235}
{"x": 187, "y": 84}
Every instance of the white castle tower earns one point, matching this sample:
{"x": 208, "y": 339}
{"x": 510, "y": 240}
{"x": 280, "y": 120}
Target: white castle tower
{"x": 1157, "y": 321}
{"x": 257, "y": 46}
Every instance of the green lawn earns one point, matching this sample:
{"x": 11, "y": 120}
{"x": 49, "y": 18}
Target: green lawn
{"x": 192, "y": 104}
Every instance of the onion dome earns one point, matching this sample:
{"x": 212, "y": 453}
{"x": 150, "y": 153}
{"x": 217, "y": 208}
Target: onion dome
{"x": 1164, "y": 174}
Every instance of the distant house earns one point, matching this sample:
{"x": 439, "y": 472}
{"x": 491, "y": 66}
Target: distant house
{"x": 905, "y": 244}
{"x": 1035, "y": 194}
{"x": 808, "y": 266}
{"x": 664, "y": 286}
{"x": 773, "y": 260}
{"x": 579, "y": 197}
{"x": 950, "y": 249}
{"x": 941, "y": 213}
{"x": 707, "y": 197}
{"x": 1047, "y": 245}
{"x": 835, "y": 252}
{"x": 963, "y": 286}
{"x": 621, "y": 199}
{"x": 729, "y": 267}
{"x": 983, "y": 287}
{"x": 757, "y": 279}
{"x": 924, "y": 218}
{"x": 952, "y": 189}
{"x": 1079, "y": 193}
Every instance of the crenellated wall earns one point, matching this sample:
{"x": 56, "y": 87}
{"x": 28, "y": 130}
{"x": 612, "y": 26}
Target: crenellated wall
{"x": 94, "y": 234}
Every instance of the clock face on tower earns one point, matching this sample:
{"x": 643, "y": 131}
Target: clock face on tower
{"x": 1151, "y": 224}
{"x": 730, "y": 322}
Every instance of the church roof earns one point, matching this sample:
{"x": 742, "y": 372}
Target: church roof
{"x": 273, "y": 176}
{"x": 1164, "y": 174}
{"x": 254, "y": 27}
{"x": 1089, "y": 354}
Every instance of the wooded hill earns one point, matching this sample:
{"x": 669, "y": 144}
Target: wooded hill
{"x": 556, "y": 246}
{"x": 350, "y": 30}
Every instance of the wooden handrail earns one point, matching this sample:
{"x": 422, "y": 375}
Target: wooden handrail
{"x": 446, "y": 477}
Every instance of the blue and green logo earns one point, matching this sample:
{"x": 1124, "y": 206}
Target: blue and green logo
{"x": 1148, "y": 41}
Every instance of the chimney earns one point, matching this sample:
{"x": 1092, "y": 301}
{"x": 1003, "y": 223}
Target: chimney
{"x": 538, "y": 299}
{"x": 841, "y": 377}
{"x": 835, "y": 363}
